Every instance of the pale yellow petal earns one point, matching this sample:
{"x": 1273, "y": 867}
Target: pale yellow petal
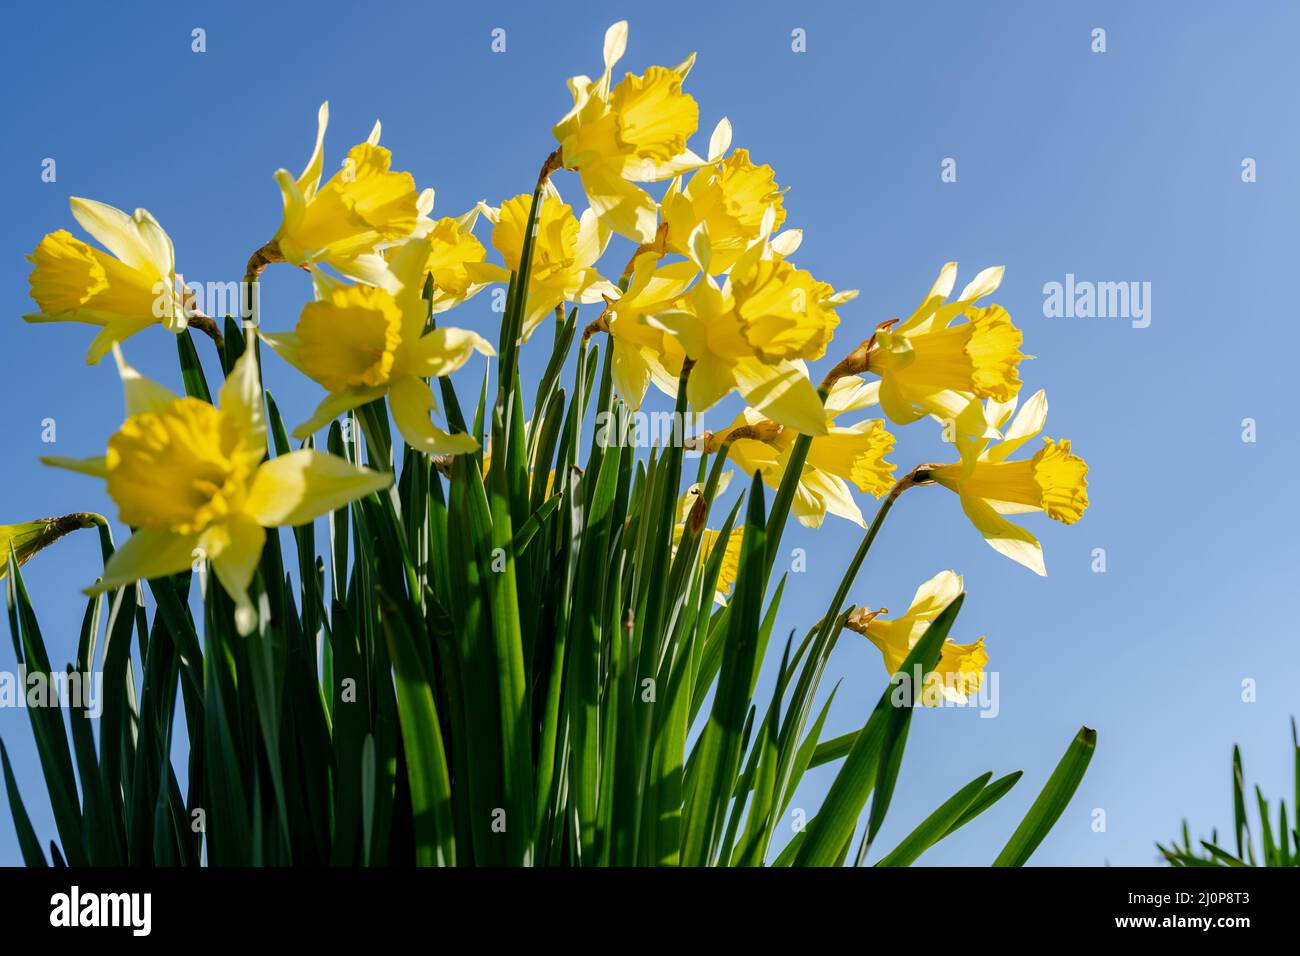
{"x": 147, "y": 554}
{"x": 1004, "y": 536}
{"x": 241, "y": 399}
{"x": 234, "y": 546}
{"x": 142, "y": 394}
{"x": 303, "y": 485}
{"x": 411, "y": 402}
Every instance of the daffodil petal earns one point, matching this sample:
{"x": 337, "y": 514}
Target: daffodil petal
{"x": 444, "y": 350}
{"x": 301, "y": 486}
{"x": 411, "y": 402}
{"x": 149, "y": 553}
{"x": 95, "y": 467}
{"x": 234, "y": 546}
{"x": 1004, "y": 536}
{"x": 334, "y": 405}
{"x": 115, "y": 231}
{"x": 241, "y": 398}
{"x": 783, "y": 393}
{"x": 113, "y": 332}
{"x": 142, "y": 394}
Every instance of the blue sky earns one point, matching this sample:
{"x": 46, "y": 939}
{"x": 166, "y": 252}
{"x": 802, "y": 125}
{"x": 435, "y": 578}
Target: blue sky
{"x": 1117, "y": 166}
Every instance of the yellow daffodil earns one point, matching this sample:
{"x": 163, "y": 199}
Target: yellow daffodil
{"x": 1053, "y": 481}
{"x": 842, "y": 456}
{"x": 565, "y": 250}
{"x": 29, "y": 537}
{"x": 932, "y": 364}
{"x": 635, "y": 131}
{"x": 733, "y": 199}
{"x": 192, "y": 480}
{"x": 122, "y": 291}
{"x": 362, "y": 209}
{"x": 642, "y": 350}
{"x": 362, "y": 342}
{"x": 784, "y": 312}
{"x": 730, "y": 561}
{"x": 960, "y": 670}
{"x": 456, "y": 261}
{"x": 705, "y": 325}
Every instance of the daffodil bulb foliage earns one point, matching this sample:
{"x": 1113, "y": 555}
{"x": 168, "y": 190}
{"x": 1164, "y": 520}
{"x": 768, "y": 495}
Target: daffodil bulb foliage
{"x": 960, "y": 670}
{"x": 361, "y": 343}
{"x": 991, "y": 485}
{"x": 350, "y": 218}
{"x": 192, "y": 479}
{"x": 122, "y": 291}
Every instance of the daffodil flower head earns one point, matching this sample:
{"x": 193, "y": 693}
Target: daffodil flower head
{"x": 784, "y": 312}
{"x": 192, "y": 480}
{"x": 739, "y": 202}
{"x": 362, "y": 342}
{"x": 842, "y": 456}
{"x": 565, "y": 250}
{"x": 635, "y": 131}
{"x": 705, "y": 326}
{"x": 1054, "y": 481}
{"x": 122, "y": 291}
{"x": 348, "y": 220}
{"x": 642, "y": 349}
{"x": 934, "y": 364}
{"x": 960, "y": 670}
{"x": 457, "y": 261}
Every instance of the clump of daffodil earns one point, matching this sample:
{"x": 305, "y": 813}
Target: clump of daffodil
{"x": 738, "y": 201}
{"x": 24, "y": 540}
{"x": 192, "y": 480}
{"x": 960, "y": 670}
{"x": 349, "y": 219}
{"x": 705, "y": 325}
{"x": 1053, "y": 481}
{"x": 934, "y": 364}
{"x": 635, "y": 131}
{"x": 361, "y": 343}
{"x": 122, "y": 291}
{"x": 565, "y": 250}
{"x": 842, "y": 456}
{"x": 729, "y": 566}
{"x": 456, "y": 263}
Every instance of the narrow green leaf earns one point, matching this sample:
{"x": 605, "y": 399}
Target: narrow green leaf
{"x": 1051, "y": 802}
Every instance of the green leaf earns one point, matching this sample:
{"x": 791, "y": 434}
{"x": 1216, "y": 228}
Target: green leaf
{"x": 1051, "y": 802}
{"x": 936, "y": 826}
{"x": 429, "y": 781}
{"x": 27, "y": 840}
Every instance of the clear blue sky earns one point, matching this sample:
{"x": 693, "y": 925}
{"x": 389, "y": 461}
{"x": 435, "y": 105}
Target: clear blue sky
{"x": 1122, "y": 166}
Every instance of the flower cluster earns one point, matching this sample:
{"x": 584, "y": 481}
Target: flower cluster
{"x": 711, "y": 302}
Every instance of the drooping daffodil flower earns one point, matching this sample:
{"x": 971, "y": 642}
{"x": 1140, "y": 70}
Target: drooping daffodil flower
{"x": 122, "y": 291}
